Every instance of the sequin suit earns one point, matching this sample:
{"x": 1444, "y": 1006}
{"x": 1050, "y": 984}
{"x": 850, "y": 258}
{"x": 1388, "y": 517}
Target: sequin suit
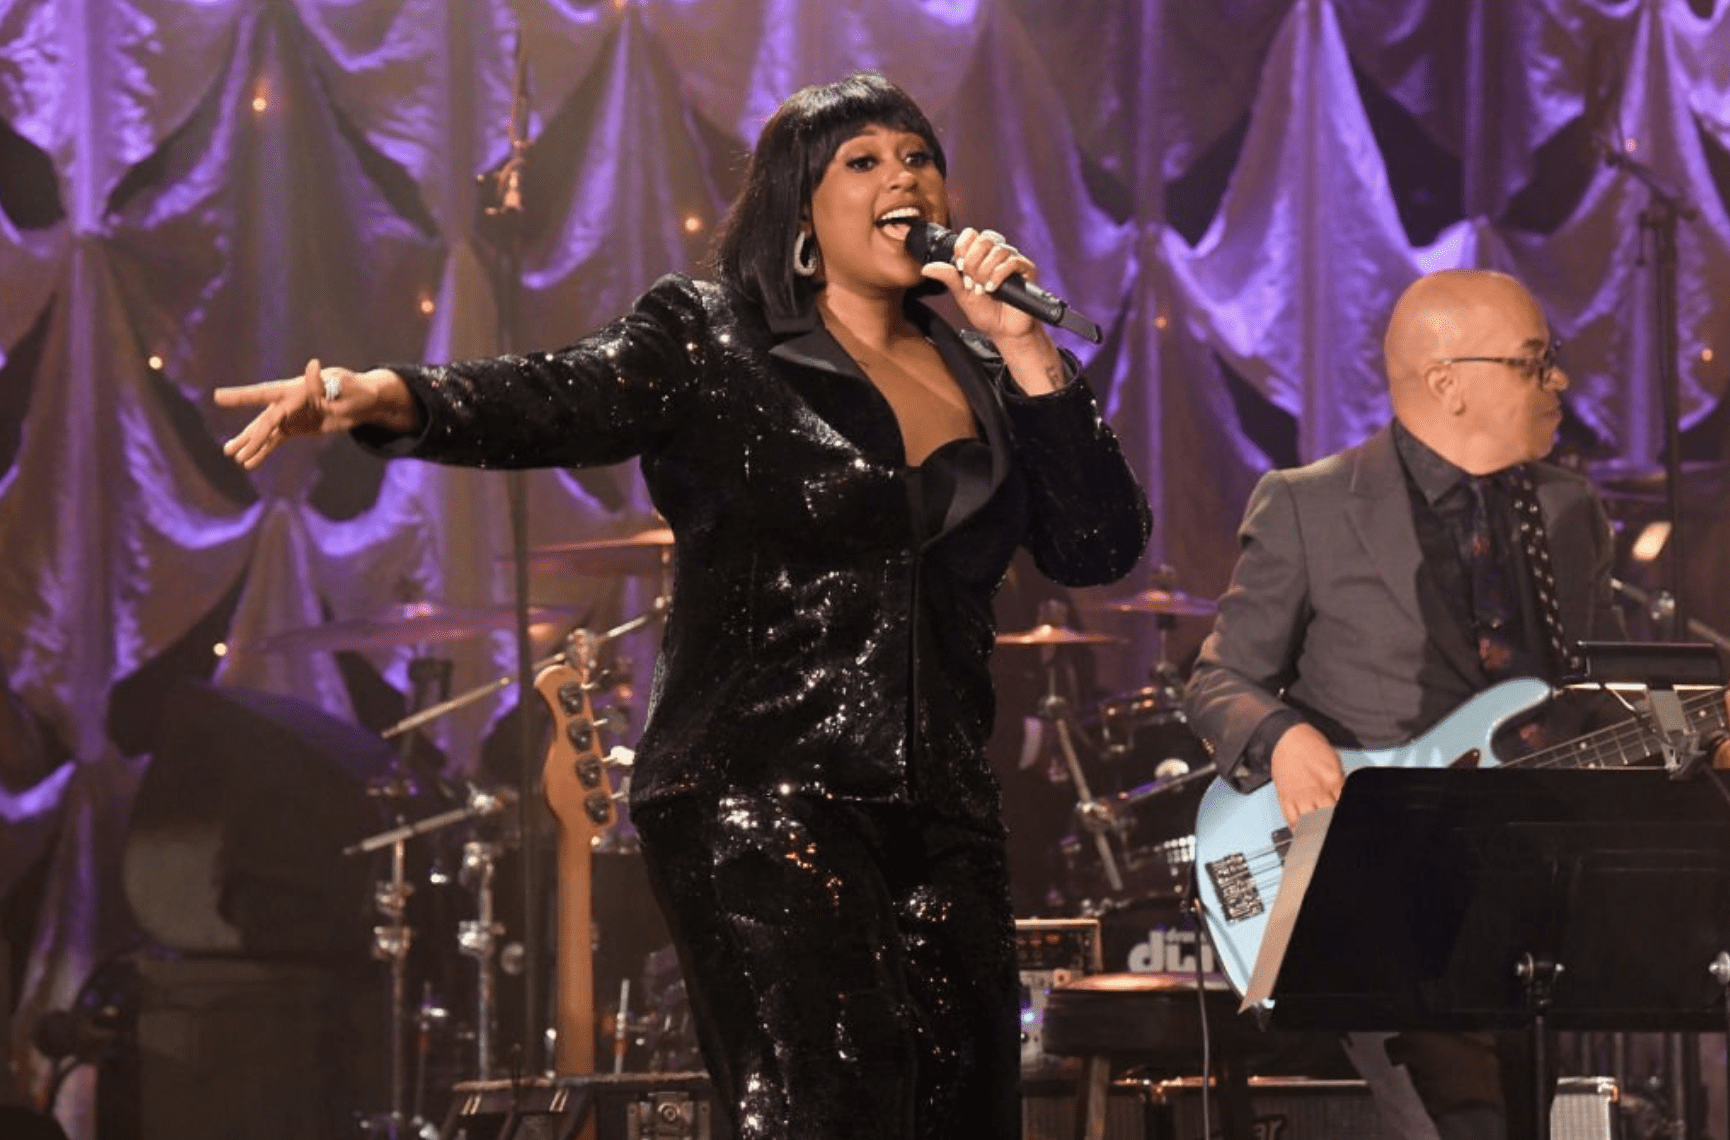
{"x": 811, "y": 791}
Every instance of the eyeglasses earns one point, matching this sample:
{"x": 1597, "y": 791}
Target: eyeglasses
{"x": 1539, "y": 368}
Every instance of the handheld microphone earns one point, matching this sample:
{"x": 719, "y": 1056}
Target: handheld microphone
{"x": 932, "y": 243}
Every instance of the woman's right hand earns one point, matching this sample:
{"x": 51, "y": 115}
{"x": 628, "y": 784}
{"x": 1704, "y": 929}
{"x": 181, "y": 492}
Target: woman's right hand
{"x": 321, "y": 400}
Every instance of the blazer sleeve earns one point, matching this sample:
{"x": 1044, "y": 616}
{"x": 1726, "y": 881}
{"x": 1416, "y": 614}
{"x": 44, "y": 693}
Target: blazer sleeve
{"x": 1089, "y": 520}
{"x": 1252, "y": 652}
{"x": 602, "y": 399}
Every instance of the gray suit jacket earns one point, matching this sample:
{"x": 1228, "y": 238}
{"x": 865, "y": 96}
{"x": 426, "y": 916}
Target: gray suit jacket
{"x": 1331, "y": 610}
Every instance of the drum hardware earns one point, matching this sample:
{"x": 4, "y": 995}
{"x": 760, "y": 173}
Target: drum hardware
{"x": 1094, "y": 815}
{"x": 1046, "y": 634}
{"x": 1704, "y": 486}
{"x": 1152, "y": 828}
{"x": 657, "y": 609}
{"x": 644, "y": 553}
{"x": 430, "y": 1018}
{"x": 413, "y": 623}
{"x": 393, "y": 938}
{"x": 1164, "y": 601}
{"x": 621, "y": 1022}
{"x": 477, "y": 938}
{"x": 391, "y": 941}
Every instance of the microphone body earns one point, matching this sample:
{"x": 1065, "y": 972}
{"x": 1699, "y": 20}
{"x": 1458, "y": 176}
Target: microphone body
{"x": 932, "y": 243}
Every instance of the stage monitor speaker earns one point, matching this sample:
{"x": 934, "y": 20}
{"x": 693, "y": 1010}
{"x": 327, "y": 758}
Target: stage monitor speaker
{"x": 1289, "y": 1108}
{"x": 236, "y": 841}
{"x": 264, "y": 1050}
{"x": 624, "y": 1106}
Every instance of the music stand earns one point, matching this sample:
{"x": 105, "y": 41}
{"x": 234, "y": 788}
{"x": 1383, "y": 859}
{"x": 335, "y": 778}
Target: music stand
{"x": 1514, "y": 899}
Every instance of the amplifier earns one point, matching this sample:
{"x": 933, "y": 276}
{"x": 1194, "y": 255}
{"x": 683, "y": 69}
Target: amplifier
{"x": 1049, "y": 952}
{"x": 1288, "y": 1108}
{"x": 623, "y": 1106}
{"x": 1048, "y": 1105}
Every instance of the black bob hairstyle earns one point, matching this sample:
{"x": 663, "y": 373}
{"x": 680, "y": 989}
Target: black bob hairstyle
{"x": 754, "y": 253}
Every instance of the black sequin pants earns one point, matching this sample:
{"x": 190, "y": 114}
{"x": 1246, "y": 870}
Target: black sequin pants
{"x": 851, "y": 967}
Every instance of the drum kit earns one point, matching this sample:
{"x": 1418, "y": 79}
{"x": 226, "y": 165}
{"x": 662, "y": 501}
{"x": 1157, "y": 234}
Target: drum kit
{"x": 423, "y": 932}
{"x": 1136, "y": 769}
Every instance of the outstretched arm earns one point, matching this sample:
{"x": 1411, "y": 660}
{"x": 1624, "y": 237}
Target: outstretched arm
{"x": 320, "y": 401}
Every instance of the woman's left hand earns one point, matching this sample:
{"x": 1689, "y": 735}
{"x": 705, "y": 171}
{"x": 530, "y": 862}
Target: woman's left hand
{"x": 983, "y": 261}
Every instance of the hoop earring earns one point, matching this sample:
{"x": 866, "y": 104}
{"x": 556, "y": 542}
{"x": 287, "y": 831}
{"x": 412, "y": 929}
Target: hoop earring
{"x": 805, "y": 254}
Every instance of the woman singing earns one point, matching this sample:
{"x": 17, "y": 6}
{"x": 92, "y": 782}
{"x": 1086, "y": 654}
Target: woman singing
{"x": 846, "y": 477}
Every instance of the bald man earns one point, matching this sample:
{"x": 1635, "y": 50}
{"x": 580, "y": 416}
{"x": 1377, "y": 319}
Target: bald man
{"x": 1349, "y": 620}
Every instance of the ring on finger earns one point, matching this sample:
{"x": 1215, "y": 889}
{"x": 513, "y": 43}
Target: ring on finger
{"x": 332, "y": 385}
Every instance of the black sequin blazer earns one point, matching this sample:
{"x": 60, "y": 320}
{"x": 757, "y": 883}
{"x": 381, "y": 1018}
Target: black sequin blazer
{"x": 817, "y": 642}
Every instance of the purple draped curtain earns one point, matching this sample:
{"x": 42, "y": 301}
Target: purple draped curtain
{"x": 204, "y": 192}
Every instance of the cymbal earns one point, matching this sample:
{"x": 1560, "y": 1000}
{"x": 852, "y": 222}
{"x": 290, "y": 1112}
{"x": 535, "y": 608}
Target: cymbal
{"x": 1055, "y": 635}
{"x": 1705, "y": 484}
{"x": 411, "y": 622}
{"x": 647, "y": 552}
{"x": 1160, "y": 600}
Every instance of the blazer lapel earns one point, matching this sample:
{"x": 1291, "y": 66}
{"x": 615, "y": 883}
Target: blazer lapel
{"x": 1380, "y": 511}
{"x": 982, "y": 398}
{"x": 802, "y": 340}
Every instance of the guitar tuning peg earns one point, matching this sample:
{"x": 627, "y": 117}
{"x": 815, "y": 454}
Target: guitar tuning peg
{"x": 620, "y": 757}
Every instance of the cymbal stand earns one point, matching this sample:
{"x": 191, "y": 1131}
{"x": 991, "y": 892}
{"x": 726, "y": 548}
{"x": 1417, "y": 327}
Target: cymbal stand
{"x": 393, "y": 938}
{"x": 478, "y": 939}
{"x": 390, "y": 944}
{"x": 430, "y": 1016}
{"x": 1667, "y": 206}
{"x": 1095, "y": 816}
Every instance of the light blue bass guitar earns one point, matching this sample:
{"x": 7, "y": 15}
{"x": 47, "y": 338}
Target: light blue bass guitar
{"x": 1241, "y": 837}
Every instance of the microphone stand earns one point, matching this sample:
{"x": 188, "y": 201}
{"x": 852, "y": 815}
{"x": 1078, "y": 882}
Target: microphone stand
{"x": 1666, "y": 206}
{"x": 506, "y": 216}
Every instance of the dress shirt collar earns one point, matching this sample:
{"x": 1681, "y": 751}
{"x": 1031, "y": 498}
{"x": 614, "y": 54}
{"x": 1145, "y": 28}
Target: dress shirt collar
{"x": 1433, "y": 475}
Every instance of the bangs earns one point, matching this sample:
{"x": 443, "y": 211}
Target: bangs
{"x": 839, "y": 111}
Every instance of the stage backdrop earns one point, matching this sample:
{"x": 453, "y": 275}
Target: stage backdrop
{"x": 206, "y": 193}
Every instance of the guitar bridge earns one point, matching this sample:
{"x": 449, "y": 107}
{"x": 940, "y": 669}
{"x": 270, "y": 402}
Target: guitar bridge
{"x": 1239, "y": 897}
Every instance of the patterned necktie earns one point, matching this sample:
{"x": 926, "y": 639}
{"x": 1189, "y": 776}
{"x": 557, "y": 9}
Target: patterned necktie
{"x": 1495, "y": 611}
{"x": 1495, "y": 607}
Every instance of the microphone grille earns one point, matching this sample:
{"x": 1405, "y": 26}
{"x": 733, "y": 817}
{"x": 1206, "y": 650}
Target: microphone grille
{"x": 925, "y": 241}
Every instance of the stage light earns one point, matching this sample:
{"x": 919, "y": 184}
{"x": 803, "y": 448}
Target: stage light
{"x": 427, "y": 306}
{"x": 693, "y": 224}
{"x": 155, "y": 362}
{"x": 1651, "y": 542}
{"x": 1160, "y": 322}
{"x": 1706, "y": 355}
